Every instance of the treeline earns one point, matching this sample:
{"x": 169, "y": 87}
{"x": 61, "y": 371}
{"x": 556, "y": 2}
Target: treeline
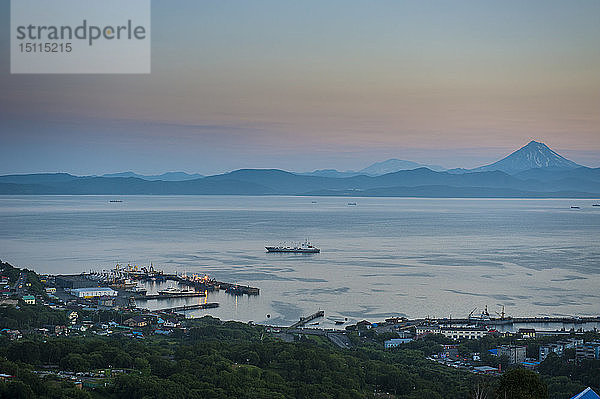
{"x": 234, "y": 360}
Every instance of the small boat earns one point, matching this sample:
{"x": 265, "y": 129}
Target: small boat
{"x": 575, "y": 207}
{"x": 338, "y": 322}
{"x": 314, "y": 324}
{"x": 352, "y": 203}
{"x": 595, "y": 204}
{"x": 115, "y": 201}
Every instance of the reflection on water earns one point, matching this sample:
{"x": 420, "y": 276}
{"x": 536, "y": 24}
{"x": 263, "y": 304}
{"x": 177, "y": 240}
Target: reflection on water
{"x": 384, "y": 257}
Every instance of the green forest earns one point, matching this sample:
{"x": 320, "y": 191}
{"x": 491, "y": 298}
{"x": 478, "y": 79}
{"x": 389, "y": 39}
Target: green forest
{"x": 217, "y": 359}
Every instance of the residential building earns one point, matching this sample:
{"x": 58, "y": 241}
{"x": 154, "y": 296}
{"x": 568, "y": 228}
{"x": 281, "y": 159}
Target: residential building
{"x": 545, "y": 350}
{"x": 515, "y": 353}
{"x": 589, "y": 350}
{"x": 29, "y": 299}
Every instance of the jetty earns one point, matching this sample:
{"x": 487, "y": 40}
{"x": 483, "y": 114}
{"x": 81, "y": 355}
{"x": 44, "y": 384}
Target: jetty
{"x": 208, "y": 305}
{"x": 169, "y": 296}
{"x": 304, "y": 320}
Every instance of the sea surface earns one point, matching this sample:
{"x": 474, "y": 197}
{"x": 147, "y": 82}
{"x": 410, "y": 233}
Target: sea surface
{"x": 381, "y": 257}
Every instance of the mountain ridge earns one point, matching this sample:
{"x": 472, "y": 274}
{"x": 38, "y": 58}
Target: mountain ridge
{"x": 556, "y": 177}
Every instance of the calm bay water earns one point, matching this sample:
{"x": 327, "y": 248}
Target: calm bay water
{"x": 382, "y": 257}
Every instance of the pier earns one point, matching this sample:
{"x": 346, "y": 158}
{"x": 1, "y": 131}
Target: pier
{"x": 169, "y": 296}
{"x": 208, "y": 305}
{"x": 304, "y": 320}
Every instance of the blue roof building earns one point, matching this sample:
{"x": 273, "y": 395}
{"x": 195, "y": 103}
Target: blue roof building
{"x": 587, "y": 394}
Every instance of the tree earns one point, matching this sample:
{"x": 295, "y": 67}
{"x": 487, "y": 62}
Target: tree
{"x": 521, "y": 384}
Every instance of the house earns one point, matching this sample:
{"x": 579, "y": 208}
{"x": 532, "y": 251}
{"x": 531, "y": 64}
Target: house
{"x": 5, "y": 377}
{"x": 29, "y": 299}
{"x": 171, "y": 323}
{"x": 50, "y": 290}
{"x": 394, "y": 342}
{"x": 587, "y": 393}
{"x": 136, "y": 321}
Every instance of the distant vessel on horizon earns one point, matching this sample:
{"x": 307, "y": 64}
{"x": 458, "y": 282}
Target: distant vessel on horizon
{"x": 304, "y": 248}
{"x": 115, "y": 201}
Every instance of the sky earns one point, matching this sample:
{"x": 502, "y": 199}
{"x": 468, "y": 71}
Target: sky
{"x": 319, "y": 84}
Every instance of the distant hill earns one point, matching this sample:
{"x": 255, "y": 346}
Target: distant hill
{"x": 534, "y": 171}
{"x": 168, "y": 176}
{"x": 376, "y": 169}
{"x": 534, "y": 155}
{"x": 584, "y": 182}
{"x": 395, "y": 165}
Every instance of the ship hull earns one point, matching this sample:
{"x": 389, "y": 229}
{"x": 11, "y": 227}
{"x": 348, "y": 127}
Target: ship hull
{"x": 294, "y": 250}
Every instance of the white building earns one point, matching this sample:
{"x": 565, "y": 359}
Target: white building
{"x": 454, "y": 332}
{"x": 93, "y": 292}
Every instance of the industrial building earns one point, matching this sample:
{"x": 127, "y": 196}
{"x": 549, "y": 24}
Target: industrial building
{"x": 93, "y": 292}
{"x": 74, "y": 281}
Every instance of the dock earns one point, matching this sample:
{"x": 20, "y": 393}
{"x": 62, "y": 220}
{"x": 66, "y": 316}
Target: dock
{"x": 304, "y": 320}
{"x": 208, "y": 305}
{"x": 169, "y": 296}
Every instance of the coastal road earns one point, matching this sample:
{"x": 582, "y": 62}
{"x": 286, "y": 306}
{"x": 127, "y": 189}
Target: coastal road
{"x": 340, "y": 340}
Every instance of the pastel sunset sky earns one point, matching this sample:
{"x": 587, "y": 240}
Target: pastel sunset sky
{"x": 304, "y": 85}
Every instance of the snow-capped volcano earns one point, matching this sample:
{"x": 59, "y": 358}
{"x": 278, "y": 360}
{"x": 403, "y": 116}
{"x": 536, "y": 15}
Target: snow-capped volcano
{"x": 533, "y": 155}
